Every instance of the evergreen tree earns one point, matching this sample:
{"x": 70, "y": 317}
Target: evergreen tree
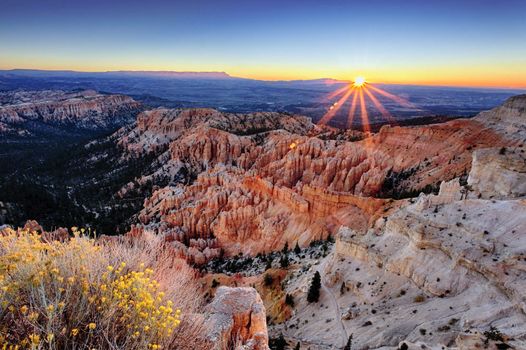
{"x": 267, "y": 280}
{"x": 297, "y": 347}
{"x": 349, "y": 343}
{"x": 297, "y": 249}
{"x": 269, "y": 264}
{"x": 284, "y": 261}
{"x": 314, "y": 291}
{"x": 289, "y": 300}
{"x": 279, "y": 343}
{"x": 285, "y": 248}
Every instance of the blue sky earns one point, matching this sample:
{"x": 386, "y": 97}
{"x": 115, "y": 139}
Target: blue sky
{"x": 461, "y": 42}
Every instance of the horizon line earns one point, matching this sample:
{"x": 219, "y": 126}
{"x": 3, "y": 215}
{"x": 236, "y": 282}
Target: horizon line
{"x": 226, "y": 75}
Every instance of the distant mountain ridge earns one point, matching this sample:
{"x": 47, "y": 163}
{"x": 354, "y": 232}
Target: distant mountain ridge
{"x": 123, "y": 73}
{"x": 212, "y": 75}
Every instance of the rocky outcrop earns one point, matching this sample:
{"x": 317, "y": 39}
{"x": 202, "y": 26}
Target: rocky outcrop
{"x": 162, "y": 126}
{"x": 499, "y": 173}
{"x": 444, "y": 271}
{"x": 438, "y": 272}
{"x": 508, "y": 119}
{"x": 427, "y": 155}
{"x": 34, "y": 112}
{"x": 249, "y": 183}
{"x": 237, "y": 320}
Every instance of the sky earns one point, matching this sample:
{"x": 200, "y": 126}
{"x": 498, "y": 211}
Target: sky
{"x": 456, "y": 43}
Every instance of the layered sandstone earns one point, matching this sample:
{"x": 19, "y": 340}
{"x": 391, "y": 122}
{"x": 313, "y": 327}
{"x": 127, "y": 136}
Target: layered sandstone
{"x": 437, "y": 273}
{"x": 249, "y": 183}
{"x": 21, "y": 111}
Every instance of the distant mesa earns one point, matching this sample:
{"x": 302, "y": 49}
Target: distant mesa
{"x": 173, "y": 74}
{"x": 121, "y": 73}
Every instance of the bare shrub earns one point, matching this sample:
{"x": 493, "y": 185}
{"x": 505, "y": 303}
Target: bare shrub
{"x": 111, "y": 293}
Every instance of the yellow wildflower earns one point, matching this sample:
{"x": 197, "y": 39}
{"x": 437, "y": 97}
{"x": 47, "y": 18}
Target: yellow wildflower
{"x": 34, "y": 338}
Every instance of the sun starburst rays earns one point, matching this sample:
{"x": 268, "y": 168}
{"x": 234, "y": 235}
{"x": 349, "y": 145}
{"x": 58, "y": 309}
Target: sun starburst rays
{"x": 360, "y": 90}
{"x": 335, "y": 107}
{"x": 352, "y": 110}
{"x": 363, "y": 111}
{"x": 379, "y": 106}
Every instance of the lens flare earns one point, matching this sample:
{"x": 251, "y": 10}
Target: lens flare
{"x": 362, "y": 90}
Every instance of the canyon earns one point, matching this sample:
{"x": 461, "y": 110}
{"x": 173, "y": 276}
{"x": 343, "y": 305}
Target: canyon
{"x": 29, "y": 113}
{"x": 262, "y": 180}
{"x": 427, "y": 221}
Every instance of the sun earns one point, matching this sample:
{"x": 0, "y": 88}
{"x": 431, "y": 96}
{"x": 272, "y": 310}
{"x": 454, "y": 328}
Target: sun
{"x": 359, "y": 82}
{"x": 360, "y": 90}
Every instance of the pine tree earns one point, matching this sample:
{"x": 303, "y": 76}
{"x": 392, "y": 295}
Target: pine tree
{"x": 285, "y": 248}
{"x": 280, "y": 343}
{"x": 297, "y": 249}
{"x": 268, "y": 264}
{"x": 268, "y": 280}
{"x": 349, "y": 343}
{"x": 314, "y": 291}
{"x": 289, "y": 300}
{"x": 297, "y": 347}
{"x": 284, "y": 261}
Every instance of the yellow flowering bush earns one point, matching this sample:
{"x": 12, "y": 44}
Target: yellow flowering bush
{"x": 69, "y": 295}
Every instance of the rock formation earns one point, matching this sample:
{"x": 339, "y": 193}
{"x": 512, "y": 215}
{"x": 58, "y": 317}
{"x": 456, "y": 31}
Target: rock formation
{"x": 250, "y": 183}
{"x": 444, "y": 269}
{"x": 25, "y": 113}
{"x": 422, "y": 278}
{"x": 237, "y": 319}
{"x": 507, "y": 119}
{"x": 499, "y": 173}
{"x": 444, "y": 272}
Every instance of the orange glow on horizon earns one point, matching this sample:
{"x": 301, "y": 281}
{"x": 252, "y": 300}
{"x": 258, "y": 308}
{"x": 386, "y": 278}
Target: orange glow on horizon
{"x": 483, "y": 75}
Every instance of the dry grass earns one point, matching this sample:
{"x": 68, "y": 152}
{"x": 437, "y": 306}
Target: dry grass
{"x": 119, "y": 293}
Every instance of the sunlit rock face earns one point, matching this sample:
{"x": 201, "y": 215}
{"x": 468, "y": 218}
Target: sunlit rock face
{"x": 249, "y": 183}
{"x": 437, "y": 270}
{"x": 24, "y": 113}
{"x": 237, "y": 318}
{"x": 444, "y": 271}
